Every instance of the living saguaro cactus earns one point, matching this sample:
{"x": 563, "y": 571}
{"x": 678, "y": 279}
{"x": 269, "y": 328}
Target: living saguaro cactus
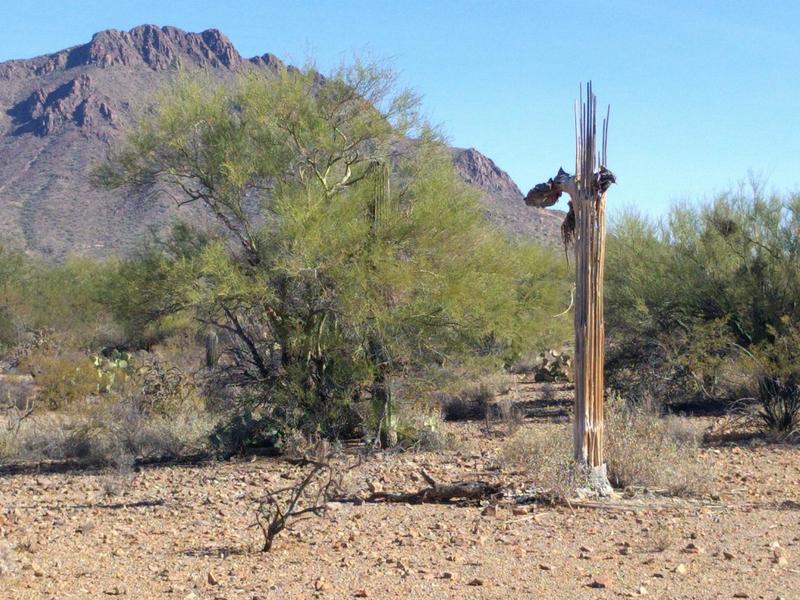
{"x": 584, "y": 225}
{"x": 379, "y": 209}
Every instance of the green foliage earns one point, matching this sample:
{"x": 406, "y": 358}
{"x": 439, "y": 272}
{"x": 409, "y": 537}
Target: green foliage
{"x": 322, "y": 287}
{"x": 66, "y": 297}
{"x": 697, "y": 295}
{"x": 735, "y": 259}
{"x": 64, "y": 378}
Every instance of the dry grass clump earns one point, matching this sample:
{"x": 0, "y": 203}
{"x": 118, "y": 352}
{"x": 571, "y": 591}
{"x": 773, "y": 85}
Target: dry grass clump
{"x": 545, "y": 454}
{"x": 474, "y": 401}
{"x": 472, "y": 404}
{"x": 642, "y": 448}
{"x": 646, "y": 449}
{"x": 107, "y": 436}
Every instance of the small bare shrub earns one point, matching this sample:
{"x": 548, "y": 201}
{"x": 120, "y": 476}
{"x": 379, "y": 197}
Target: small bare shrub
{"x": 119, "y": 476}
{"x": 308, "y": 495}
{"x": 661, "y": 537}
{"x": 643, "y": 448}
{"x": 510, "y": 414}
{"x": 165, "y": 388}
{"x": 13, "y": 413}
{"x": 547, "y": 393}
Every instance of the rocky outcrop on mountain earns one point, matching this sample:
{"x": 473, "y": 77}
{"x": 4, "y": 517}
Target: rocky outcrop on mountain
{"x": 60, "y": 113}
{"x": 502, "y": 198}
{"x": 48, "y": 110}
{"x": 157, "y": 48}
{"x": 480, "y": 170}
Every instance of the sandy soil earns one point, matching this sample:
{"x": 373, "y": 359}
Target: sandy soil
{"x": 186, "y": 531}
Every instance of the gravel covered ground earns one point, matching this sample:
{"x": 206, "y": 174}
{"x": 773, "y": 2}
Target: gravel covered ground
{"x": 186, "y": 531}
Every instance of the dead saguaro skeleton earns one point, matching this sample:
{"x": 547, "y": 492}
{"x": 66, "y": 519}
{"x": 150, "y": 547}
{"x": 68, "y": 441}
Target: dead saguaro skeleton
{"x": 584, "y": 226}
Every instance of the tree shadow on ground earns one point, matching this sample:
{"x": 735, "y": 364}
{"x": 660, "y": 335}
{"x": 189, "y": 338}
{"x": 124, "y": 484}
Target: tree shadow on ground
{"x": 77, "y": 467}
{"x": 119, "y": 505}
{"x": 218, "y": 551}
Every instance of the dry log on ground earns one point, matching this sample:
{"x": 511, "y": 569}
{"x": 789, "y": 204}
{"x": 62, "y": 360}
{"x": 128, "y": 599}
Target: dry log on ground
{"x": 442, "y": 493}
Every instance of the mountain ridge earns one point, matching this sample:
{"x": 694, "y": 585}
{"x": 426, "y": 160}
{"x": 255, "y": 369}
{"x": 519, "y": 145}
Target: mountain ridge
{"x": 61, "y": 112}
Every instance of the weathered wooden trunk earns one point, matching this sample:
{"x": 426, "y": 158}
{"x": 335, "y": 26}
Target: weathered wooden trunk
{"x": 589, "y": 328}
{"x": 585, "y": 226}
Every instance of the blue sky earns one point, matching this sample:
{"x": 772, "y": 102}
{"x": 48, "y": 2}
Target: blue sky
{"x": 701, "y": 93}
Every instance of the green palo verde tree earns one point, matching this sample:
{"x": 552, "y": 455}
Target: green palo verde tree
{"x": 349, "y": 255}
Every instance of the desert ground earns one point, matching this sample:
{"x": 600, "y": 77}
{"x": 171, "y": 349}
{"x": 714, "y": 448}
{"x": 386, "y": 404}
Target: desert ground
{"x": 187, "y": 530}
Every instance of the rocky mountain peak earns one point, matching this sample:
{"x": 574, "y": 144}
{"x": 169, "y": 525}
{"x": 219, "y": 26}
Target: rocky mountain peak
{"x": 157, "y": 48}
{"x": 61, "y": 112}
{"x": 481, "y": 171}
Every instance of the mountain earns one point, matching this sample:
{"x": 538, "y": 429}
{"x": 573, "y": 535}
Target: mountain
{"x": 60, "y": 113}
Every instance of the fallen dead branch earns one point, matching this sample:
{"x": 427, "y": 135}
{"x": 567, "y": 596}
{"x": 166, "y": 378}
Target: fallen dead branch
{"x": 442, "y": 493}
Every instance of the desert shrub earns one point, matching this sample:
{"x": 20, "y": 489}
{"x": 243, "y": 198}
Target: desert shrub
{"x": 473, "y": 403}
{"x": 10, "y": 328}
{"x": 646, "y": 449}
{"x": 67, "y": 297}
{"x": 547, "y": 367}
{"x": 420, "y": 427}
{"x": 642, "y": 448}
{"x": 688, "y": 297}
{"x": 343, "y": 284}
{"x": 63, "y": 378}
{"x": 775, "y": 368}
{"x": 779, "y": 401}
{"x": 735, "y": 260}
{"x": 113, "y": 430}
{"x": 245, "y": 431}
{"x": 164, "y": 388}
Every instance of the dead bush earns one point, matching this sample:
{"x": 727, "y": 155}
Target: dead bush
{"x": 661, "y": 536}
{"x": 509, "y": 415}
{"x": 119, "y": 476}
{"x": 164, "y": 387}
{"x": 13, "y": 413}
{"x": 643, "y": 448}
{"x": 308, "y": 495}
